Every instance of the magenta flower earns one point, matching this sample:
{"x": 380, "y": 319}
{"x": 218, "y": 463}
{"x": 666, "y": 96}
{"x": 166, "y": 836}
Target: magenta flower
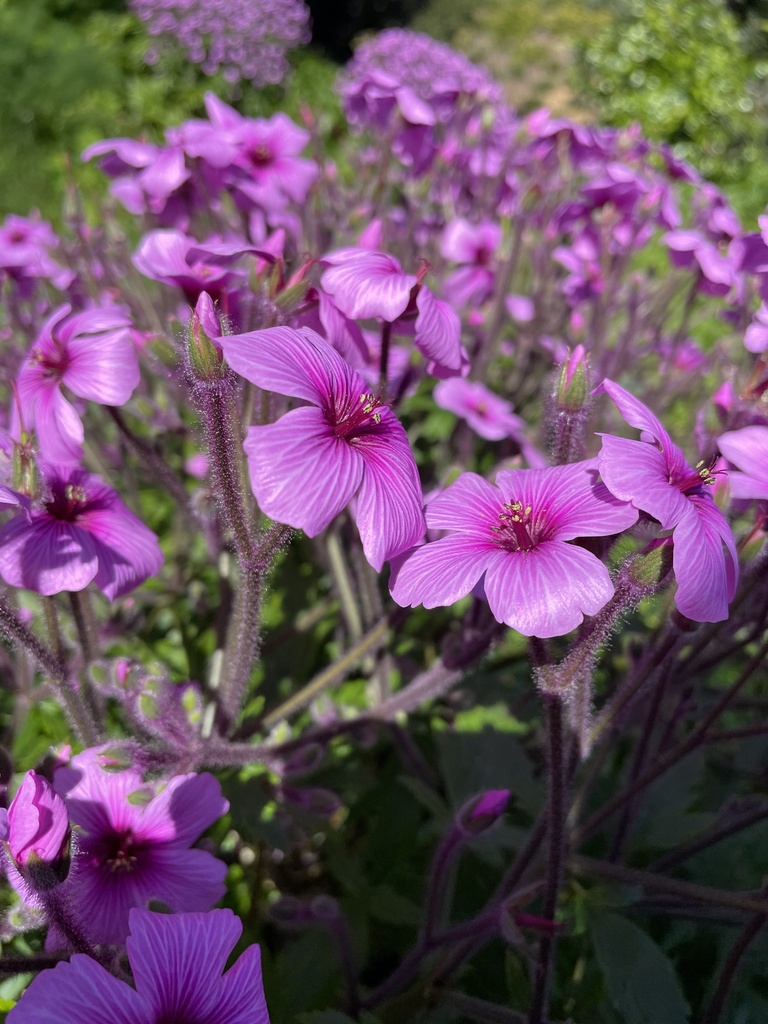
{"x": 486, "y": 413}
{"x": 133, "y": 843}
{"x": 177, "y": 962}
{"x": 365, "y": 284}
{"x": 80, "y": 532}
{"x": 92, "y": 354}
{"x": 747, "y": 449}
{"x": 37, "y": 824}
{"x": 515, "y": 536}
{"x": 306, "y": 467}
{"x": 172, "y": 257}
{"x": 655, "y": 476}
{"x": 258, "y": 158}
{"x": 25, "y": 244}
{"x": 474, "y": 246}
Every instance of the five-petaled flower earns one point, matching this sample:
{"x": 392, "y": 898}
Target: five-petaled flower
{"x": 655, "y": 476}
{"x": 307, "y": 467}
{"x": 133, "y": 843}
{"x": 516, "y": 537}
{"x": 92, "y": 354}
{"x": 80, "y": 531}
{"x": 177, "y": 962}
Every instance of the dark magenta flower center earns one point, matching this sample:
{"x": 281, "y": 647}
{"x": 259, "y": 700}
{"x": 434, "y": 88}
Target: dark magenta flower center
{"x": 53, "y": 365}
{"x": 351, "y": 419}
{"x": 696, "y": 480}
{"x": 118, "y": 852}
{"x": 520, "y": 529}
{"x": 67, "y": 501}
{"x": 260, "y": 155}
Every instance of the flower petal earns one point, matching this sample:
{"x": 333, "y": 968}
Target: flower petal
{"x": 634, "y": 412}
{"x": 366, "y": 284}
{"x": 390, "y": 513}
{"x": 706, "y": 574}
{"x": 187, "y": 806}
{"x": 80, "y": 992}
{"x": 177, "y": 960}
{"x": 470, "y": 505}
{"x": 638, "y": 472}
{"x": 128, "y": 551}
{"x": 297, "y": 363}
{"x": 442, "y": 572}
{"x": 103, "y": 367}
{"x": 748, "y": 450}
{"x": 438, "y": 333}
{"x": 547, "y": 591}
{"x": 301, "y": 473}
{"x": 242, "y": 992}
{"x": 46, "y": 555}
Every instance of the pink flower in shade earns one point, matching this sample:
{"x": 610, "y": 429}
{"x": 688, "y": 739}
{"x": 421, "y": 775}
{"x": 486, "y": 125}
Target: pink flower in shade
{"x": 80, "y": 532}
{"x": 365, "y": 284}
{"x": 177, "y": 962}
{"x": 306, "y": 467}
{"x": 515, "y": 536}
{"x": 36, "y": 823}
{"x": 747, "y": 449}
{"x": 474, "y": 246}
{"x": 134, "y": 843}
{"x": 92, "y": 354}
{"x": 486, "y": 413}
{"x": 654, "y": 475}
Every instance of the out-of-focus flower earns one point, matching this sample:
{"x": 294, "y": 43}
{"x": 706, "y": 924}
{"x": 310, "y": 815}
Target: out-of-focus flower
{"x": 25, "y": 244}
{"x": 474, "y": 246}
{"x": 240, "y": 38}
{"x": 177, "y": 962}
{"x": 134, "y": 843}
{"x": 80, "y": 531}
{"x": 365, "y": 284}
{"x": 516, "y": 537}
{"x": 486, "y": 413}
{"x": 756, "y": 336}
{"x": 92, "y": 354}
{"x": 655, "y": 476}
{"x": 747, "y": 449}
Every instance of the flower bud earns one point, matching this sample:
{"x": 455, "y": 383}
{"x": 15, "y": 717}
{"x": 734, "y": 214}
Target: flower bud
{"x": 573, "y": 383}
{"x": 482, "y": 811}
{"x": 206, "y": 360}
{"x": 38, "y": 833}
{"x": 646, "y": 573}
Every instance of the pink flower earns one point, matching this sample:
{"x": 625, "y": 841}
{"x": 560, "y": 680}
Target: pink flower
{"x": 134, "y": 843}
{"x": 310, "y": 464}
{"x": 474, "y": 246}
{"x": 654, "y": 475}
{"x": 37, "y": 828}
{"x": 177, "y": 961}
{"x": 80, "y": 532}
{"x": 92, "y": 354}
{"x": 486, "y": 413}
{"x": 365, "y": 284}
{"x": 516, "y": 536}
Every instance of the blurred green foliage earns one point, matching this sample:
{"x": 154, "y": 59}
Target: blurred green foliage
{"x": 73, "y": 71}
{"x": 683, "y": 71}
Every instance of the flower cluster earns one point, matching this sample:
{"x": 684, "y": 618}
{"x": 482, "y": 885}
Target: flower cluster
{"x": 322, "y": 396}
{"x": 240, "y": 38}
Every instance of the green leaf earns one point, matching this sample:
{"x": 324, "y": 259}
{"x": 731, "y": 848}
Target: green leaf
{"x": 476, "y": 761}
{"x": 639, "y": 978}
{"x": 388, "y": 905}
